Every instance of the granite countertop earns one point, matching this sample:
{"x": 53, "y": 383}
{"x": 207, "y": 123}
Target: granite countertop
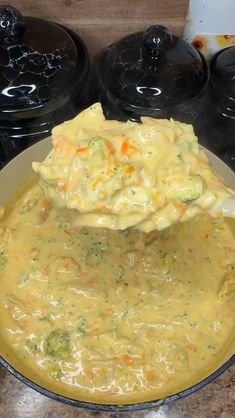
{"x": 217, "y": 400}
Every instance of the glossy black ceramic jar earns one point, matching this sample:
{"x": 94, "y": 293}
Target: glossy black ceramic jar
{"x": 44, "y": 74}
{"x": 152, "y": 73}
{"x": 218, "y": 122}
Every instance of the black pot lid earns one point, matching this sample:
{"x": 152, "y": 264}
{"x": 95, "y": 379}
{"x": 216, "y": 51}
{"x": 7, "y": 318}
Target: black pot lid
{"x": 223, "y": 72}
{"x": 39, "y": 62}
{"x": 154, "y": 69}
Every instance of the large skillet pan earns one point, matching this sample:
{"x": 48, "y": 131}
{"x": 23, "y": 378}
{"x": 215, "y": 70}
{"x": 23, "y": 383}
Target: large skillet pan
{"x": 11, "y": 178}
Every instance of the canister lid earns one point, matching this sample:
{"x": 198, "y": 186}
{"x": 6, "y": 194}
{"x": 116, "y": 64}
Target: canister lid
{"x": 223, "y": 72}
{"x": 39, "y": 62}
{"x": 152, "y": 69}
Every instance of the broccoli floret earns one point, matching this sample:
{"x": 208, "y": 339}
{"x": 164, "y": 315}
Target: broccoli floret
{"x": 57, "y": 344}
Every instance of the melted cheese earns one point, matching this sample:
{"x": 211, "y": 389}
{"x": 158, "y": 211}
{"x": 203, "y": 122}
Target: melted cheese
{"x": 116, "y": 175}
{"x": 111, "y": 316}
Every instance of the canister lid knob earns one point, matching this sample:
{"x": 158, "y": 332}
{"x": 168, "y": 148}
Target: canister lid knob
{"x": 156, "y": 39}
{"x": 12, "y": 25}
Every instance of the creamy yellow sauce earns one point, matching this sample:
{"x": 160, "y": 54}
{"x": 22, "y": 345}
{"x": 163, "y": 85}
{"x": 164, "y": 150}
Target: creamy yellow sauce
{"x": 115, "y": 175}
{"x": 113, "y": 316}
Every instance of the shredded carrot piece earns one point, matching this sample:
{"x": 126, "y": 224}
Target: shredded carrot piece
{"x": 62, "y": 186}
{"x": 33, "y": 251}
{"x": 46, "y": 205}
{"x": 107, "y": 312}
{"x": 66, "y": 263}
{"x": 96, "y": 331}
{"x": 89, "y": 374}
{"x": 64, "y": 147}
{"x": 60, "y": 144}
{"x": 126, "y": 148}
{"x": 110, "y": 148}
{"x": 103, "y": 209}
{"x": 110, "y": 393}
{"x": 150, "y": 333}
{"x": 46, "y": 271}
{"x": 192, "y": 346}
{"x": 127, "y": 359}
{"x": 129, "y": 169}
{"x": 151, "y": 377}
{"x": 82, "y": 149}
{"x": 182, "y": 206}
{"x": 97, "y": 181}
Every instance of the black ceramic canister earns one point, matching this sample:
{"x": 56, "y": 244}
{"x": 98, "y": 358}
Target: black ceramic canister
{"x": 44, "y": 75}
{"x": 152, "y": 73}
{"x": 218, "y": 122}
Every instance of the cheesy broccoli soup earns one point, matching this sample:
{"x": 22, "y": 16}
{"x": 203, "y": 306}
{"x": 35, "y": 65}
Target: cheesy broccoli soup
{"x": 115, "y": 175}
{"x": 113, "y": 316}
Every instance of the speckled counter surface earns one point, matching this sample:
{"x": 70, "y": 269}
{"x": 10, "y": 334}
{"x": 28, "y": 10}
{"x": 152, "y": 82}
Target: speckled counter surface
{"x": 217, "y": 400}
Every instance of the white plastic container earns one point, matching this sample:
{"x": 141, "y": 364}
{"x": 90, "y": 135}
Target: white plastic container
{"x": 210, "y": 25}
